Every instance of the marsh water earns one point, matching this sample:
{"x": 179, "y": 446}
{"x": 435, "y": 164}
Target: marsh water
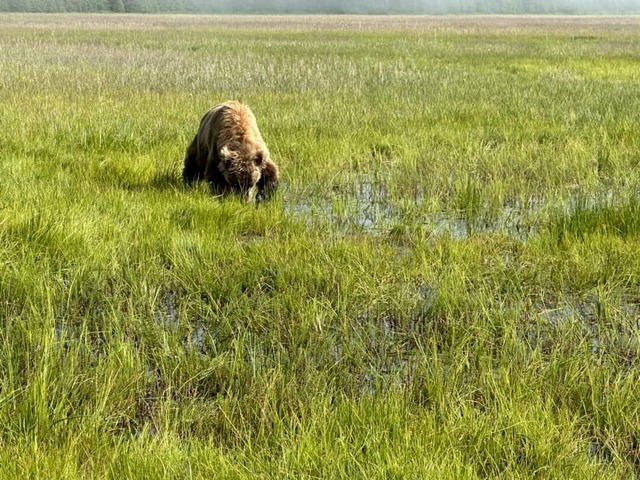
{"x": 367, "y": 207}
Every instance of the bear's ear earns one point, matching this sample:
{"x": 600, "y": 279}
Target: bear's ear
{"x": 225, "y": 154}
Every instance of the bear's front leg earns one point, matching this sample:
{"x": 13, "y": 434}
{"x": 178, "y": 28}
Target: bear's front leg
{"x": 269, "y": 181}
{"x": 214, "y": 176}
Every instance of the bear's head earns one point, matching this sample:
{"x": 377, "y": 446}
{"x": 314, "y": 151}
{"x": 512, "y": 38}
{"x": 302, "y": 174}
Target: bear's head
{"x": 246, "y": 165}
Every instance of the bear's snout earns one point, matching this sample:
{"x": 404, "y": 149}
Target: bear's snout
{"x": 243, "y": 180}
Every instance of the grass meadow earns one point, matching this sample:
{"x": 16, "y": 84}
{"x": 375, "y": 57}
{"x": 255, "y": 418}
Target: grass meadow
{"x": 445, "y": 286}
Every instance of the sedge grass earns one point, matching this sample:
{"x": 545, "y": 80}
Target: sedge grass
{"x": 446, "y": 285}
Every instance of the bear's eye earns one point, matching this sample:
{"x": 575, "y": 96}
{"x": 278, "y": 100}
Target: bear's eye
{"x": 259, "y": 159}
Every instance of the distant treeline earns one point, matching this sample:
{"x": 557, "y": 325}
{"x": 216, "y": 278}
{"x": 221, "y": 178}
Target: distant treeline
{"x": 327, "y": 6}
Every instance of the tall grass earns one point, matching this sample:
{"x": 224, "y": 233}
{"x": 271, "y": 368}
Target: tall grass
{"x": 445, "y": 286}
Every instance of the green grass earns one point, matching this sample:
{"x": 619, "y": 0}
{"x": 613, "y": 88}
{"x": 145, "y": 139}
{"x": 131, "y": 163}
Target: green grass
{"x": 446, "y": 285}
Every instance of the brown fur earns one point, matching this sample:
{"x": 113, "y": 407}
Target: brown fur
{"x": 229, "y": 153}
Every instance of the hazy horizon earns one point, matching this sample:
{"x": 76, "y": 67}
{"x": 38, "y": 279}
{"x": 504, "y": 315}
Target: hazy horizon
{"x": 423, "y": 6}
{"x": 433, "y": 7}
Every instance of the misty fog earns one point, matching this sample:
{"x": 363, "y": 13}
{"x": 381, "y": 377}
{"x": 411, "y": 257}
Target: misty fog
{"x": 424, "y": 6}
{"x": 433, "y": 7}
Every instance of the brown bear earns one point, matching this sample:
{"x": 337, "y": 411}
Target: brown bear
{"x": 229, "y": 153}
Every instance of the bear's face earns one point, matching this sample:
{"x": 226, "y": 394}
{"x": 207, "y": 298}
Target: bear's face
{"x": 242, "y": 167}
